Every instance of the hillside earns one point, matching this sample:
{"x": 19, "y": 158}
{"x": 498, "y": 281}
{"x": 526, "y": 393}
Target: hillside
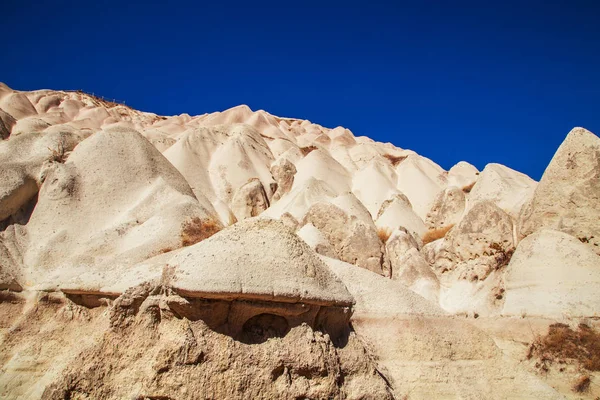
{"x": 239, "y": 254}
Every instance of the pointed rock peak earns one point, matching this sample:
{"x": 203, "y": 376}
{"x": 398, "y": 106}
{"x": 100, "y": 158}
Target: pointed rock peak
{"x": 505, "y": 172}
{"x": 568, "y": 195}
{"x": 242, "y": 108}
{"x": 463, "y": 167}
{"x": 582, "y": 135}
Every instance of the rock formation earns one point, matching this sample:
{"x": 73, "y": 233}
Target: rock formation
{"x": 238, "y": 254}
{"x": 568, "y": 196}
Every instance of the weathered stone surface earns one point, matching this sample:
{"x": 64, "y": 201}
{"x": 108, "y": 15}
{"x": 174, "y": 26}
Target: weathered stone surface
{"x": 568, "y": 195}
{"x": 283, "y": 172}
{"x": 98, "y": 298}
{"x": 448, "y": 208}
{"x": 414, "y": 271}
{"x": 397, "y": 213}
{"x": 505, "y": 187}
{"x": 552, "y": 274}
{"x": 249, "y": 200}
{"x": 353, "y": 240}
{"x": 463, "y": 175}
{"x": 480, "y": 243}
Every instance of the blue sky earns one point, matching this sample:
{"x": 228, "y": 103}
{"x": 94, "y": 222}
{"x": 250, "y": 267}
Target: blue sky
{"x": 479, "y": 81}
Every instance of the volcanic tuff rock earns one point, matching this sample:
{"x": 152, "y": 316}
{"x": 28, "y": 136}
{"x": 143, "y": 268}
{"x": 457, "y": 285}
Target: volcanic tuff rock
{"x": 568, "y": 196}
{"x": 141, "y": 257}
{"x": 546, "y": 276}
{"x": 447, "y": 209}
{"x": 506, "y": 188}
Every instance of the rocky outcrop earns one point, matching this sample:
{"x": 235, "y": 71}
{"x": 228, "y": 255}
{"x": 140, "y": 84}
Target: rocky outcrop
{"x": 463, "y": 175}
{"x": 397, "y": 213}
{"x": 568, "y": 195}
{"x": 505, "y": 187}
{"x": 353, "y": 240}
{"x": 249, "y": 200}
{"x": 104, "y": 203}
{"x": 24, "y": 159}
{"x": 283, "y": 172}
{"x": 426, "y": 354}
{"x": 447, "y": 210}
{"x": 119, "y": 280}
{"x": 153, "y": 351}
{"x": 480, "y": 243}
{"x": 552, "y": 274}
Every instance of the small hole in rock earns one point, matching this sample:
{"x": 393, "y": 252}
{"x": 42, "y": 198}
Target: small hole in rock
{"x": 264, "y": 326}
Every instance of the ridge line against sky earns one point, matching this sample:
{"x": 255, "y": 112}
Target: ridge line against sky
{"x": 497, "y": 82}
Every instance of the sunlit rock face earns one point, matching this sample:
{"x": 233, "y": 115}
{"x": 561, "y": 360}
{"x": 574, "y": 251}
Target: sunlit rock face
{"x": 239, "y": 254}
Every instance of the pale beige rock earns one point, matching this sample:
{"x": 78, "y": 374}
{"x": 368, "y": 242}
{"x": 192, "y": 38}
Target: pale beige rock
{"x": 249, "y": 200}
{"x": 505, "y": 187}
{"x": 447, "y": 210}
{"x": 105, "y": 203}
{"x": 283, "y": 172}
{"x": 243, "y": 155}
{"x": 153, "y": 351}
{"x": 301, "y": 198}
{"x": 431, "y": 249}
{"x": 568, "y": 195}
{"x": 412, "y": 270}
{"x": 462, "y": 175}
{"x": 420, "y": 179}
{"x": 22, "y": 158}
{"x": 426, "y": 354}
{"x": 374, "y": 184}
{"x": 263, "y": 260}
{"x": 400, "y": 241}
{"x": 6, "y": 124}
{"x": 353, "y": 240}
{"x": 316, "y": 240}
{"x": 266, "y": 318}
{"x": 471, "y": 259}
{"x": 480, "y": 243}
{"x": 288, "y": 220}
{"x": 320, "y": 165}
{"x": 17, "y": 105}
{"x": 408, "y": 265}
{"x": 397, "y": 212}
{"x": 552, "y": 274}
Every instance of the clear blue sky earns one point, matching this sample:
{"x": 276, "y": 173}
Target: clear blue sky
{"x": 479, "y": 81}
